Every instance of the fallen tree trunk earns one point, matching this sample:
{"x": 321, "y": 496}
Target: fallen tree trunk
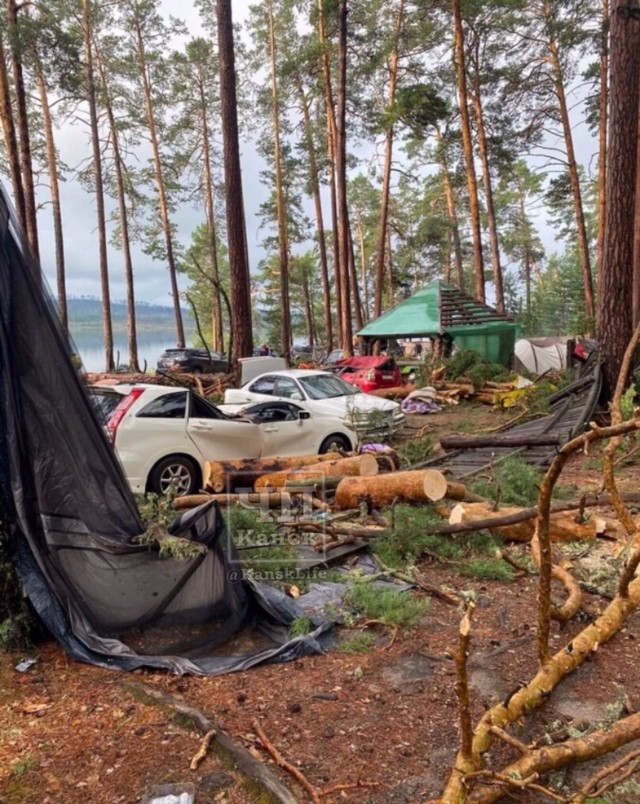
{"x": 500, "y": 440}
{"x": 562, "y": 525}
{"x": 397, "y": 392}
{"x": 218, "y": 475}
{"x": 361, "y": 465}
{"x": 262, "y": 500}
{"x": 383, "y": 490}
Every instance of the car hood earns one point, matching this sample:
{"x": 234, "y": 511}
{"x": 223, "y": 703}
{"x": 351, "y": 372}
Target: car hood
{"x": 338, "y": 406}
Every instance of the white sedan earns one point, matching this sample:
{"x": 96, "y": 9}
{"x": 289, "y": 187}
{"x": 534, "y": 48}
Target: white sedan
{"x": 324, "y": 394}
{"x": 164, "y": 435}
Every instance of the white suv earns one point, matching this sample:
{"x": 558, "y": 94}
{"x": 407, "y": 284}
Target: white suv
{"x": 164, "y": 435}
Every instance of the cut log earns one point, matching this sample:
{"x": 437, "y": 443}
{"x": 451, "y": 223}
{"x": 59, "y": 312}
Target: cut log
{"x": 438, "y": 487}
{"x": 364, "y": 465}
{"x": 227, "y": 475}
{"x": 562, "y": 524}
{"x": 261, "y": 500}
{"x": 500, "y": 440}
{"x": 382, "y": 490}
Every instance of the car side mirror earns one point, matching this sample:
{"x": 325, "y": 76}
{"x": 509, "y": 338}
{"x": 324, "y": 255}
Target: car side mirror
{"x": 304, "y": 414}
{"x": 296, "y": 395}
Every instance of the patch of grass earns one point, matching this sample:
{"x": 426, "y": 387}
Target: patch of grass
{"x": 359, "y": 643}
{"x": 388, "y": 606}
{"x": 23, "y": 766}
{"x": 487, "y": 569}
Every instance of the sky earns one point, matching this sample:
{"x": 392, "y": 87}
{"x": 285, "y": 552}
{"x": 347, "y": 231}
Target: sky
{"x": 79, "y": 210}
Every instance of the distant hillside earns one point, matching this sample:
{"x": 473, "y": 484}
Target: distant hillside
{"x": 86, "y": 313}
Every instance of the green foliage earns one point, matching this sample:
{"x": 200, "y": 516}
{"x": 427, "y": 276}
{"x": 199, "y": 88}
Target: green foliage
{"x": 168, "y": 546}
{"x": 388, "y": 606}
{"x": 415, "y": 450}
{"x": 515, "y": 482}
{"x": 627, "y": 792}
{"x": 300, "y": 627}
{"x": 473, "y": 554}
{"x": 263, "y": 549}
{"x": 469, "y": 364}
{"x": 157, "y": 508}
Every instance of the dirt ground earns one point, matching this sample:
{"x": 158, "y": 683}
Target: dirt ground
{"x": 382, "y": 721}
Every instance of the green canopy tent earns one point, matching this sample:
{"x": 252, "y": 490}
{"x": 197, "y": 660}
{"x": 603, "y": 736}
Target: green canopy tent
{"x": 443, "y": 309}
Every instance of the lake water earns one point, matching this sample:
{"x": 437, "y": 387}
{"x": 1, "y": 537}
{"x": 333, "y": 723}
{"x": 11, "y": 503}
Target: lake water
{"x": 90, "y": 347}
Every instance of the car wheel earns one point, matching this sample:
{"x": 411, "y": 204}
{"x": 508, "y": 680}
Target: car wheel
{"x": 335, "y": 442}
{"x": 177, "y": 472}
{"x": 197, "y": 370}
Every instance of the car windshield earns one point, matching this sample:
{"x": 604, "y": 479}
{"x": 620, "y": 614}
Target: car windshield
{"x": 327, "y": 386}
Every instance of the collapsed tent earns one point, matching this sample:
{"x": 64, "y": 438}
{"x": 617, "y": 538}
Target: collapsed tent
{"x": 539, "y": 355}
{"x": 74, "y": 525}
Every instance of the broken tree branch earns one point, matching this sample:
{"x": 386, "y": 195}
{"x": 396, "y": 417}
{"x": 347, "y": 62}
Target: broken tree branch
{"x": 282, "y": 762}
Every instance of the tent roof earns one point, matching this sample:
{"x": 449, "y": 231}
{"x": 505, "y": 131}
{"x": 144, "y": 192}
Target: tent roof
{"x": 436, "y": 309}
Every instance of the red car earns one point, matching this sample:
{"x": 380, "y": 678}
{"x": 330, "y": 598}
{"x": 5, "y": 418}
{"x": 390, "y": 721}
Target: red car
{"x": 370, "y": 373}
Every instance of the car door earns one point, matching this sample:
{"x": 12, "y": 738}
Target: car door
{"x": 217, "y": 437}
{"x": 157, "y": 429}
{"x": 283, "y": 431}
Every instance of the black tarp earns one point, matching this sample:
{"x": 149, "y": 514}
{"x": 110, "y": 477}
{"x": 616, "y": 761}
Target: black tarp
{"x": 73, "y": 521}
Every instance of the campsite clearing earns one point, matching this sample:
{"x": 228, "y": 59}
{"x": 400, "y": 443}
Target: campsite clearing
{"x": 378, "y": 713}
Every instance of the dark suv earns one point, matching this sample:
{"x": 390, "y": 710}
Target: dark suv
{"x": 198, "y": 361}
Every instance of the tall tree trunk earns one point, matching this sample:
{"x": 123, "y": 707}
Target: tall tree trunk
{"x": 388, "y": 158}
{"x": 52, "y": 169}
{"x": 160, "y": 182}
{"x": 107, "y": 329}
{"x": 622, "y": 166}
{"x": 363, "y": 267}
{"x": 452, "y": 211}
{"x": 308, "y": 311}
{"x": 283, "y": 245}
{"x": 216, "y": 307}
{"x": 341, "y": 181}
{"x": 332, "y": 136}
{"x": 11, "y": 140}
{"x": 636, "y": 246}
{"x": 240, "y": 278}
{"x": 526, "y": 263}
{"x": 483, "y": 147}
{"x": 317, "y": 203}
{"x": 465, "y": 125}
{"x": 353, "y": 280}
{"x": 125, "y": 240}
{"x": 574, "y": 174}
{"x": 603, "y": 120}
{"x": 26, "y": 161}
